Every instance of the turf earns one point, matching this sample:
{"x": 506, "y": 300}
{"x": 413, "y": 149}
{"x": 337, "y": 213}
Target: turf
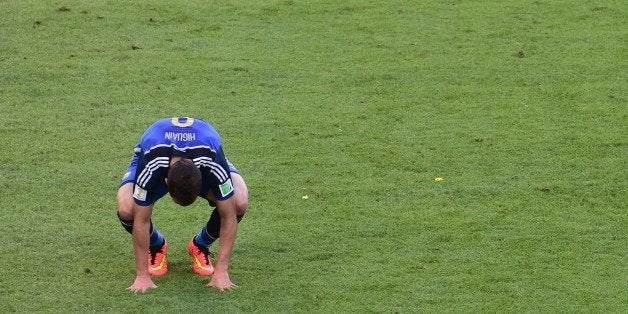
{"x": 359, "y": 105}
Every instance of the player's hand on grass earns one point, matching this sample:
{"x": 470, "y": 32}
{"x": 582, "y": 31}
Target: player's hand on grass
{"x": 142, "y": 284}
{"x": 221, "y": 281}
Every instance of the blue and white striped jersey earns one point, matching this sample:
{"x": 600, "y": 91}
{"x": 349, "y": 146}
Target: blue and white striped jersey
{"x": 189, "y": 138}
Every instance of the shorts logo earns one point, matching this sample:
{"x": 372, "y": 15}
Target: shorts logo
{"x": 139, "y": 193}
{"x": 226, "y": 188}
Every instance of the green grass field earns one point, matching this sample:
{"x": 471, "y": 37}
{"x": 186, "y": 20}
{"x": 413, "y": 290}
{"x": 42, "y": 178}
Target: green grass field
{"x": 520, "y": 106}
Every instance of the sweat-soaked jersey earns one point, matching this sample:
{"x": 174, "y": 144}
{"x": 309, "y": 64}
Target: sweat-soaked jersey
{"x": 189, "y": 138}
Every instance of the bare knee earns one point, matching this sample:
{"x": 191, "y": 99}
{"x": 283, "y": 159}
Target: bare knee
{"x": 125, "y": 201}
{"x": 241, "y": 205}
{"x": 241, "y": 194}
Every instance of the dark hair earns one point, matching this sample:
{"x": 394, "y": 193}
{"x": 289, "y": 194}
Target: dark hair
{"x": 184, "y": 182}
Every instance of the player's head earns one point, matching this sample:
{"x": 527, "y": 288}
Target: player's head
{"x": 184, "y": 182}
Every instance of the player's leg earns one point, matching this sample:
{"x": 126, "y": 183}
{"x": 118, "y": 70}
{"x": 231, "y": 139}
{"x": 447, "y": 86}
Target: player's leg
{"x": 211, "y": 231}
{"x": 199, "y": 245}
{"x": 126, "y": 203}
{"x": 158, "y": 246}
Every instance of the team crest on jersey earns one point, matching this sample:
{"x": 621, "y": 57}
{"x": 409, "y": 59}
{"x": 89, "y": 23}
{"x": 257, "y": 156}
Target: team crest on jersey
{"x": 139, "y": 193}
{"x": 226, "y": 188}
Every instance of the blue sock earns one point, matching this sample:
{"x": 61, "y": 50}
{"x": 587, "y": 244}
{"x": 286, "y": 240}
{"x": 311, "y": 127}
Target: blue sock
{"x": 156, "y": 239}
{"x": 203, "y": 239}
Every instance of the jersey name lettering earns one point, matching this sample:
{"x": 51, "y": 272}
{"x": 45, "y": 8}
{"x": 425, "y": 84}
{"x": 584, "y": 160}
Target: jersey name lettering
{"x": 183, "y": 137}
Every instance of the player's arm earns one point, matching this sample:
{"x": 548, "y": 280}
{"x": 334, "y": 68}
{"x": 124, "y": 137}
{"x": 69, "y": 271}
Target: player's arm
{"x": 141, "y": 236}
{"x": 228, "y": 230}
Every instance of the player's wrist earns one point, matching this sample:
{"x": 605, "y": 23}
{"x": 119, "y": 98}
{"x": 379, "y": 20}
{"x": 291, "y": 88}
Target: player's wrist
{"x": 141, "y": 273}
{"x": 221, "y": 269}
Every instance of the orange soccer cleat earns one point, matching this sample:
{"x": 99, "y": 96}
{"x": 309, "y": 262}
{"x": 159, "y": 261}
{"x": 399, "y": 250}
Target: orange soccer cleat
{"x": 157, "y": 260}
{"x": 201, "y": 259}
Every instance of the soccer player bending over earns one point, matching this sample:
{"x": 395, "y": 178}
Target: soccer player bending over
{"x": 183, "y": 157}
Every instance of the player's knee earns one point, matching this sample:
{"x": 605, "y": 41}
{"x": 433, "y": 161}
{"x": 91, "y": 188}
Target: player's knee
{"x": 125, "y": 202}
{"x": 125, "y": 214}
{"x": 242, "y": 203}
{"x": 125, "y": 208}
{"x": 241, "y": 194}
